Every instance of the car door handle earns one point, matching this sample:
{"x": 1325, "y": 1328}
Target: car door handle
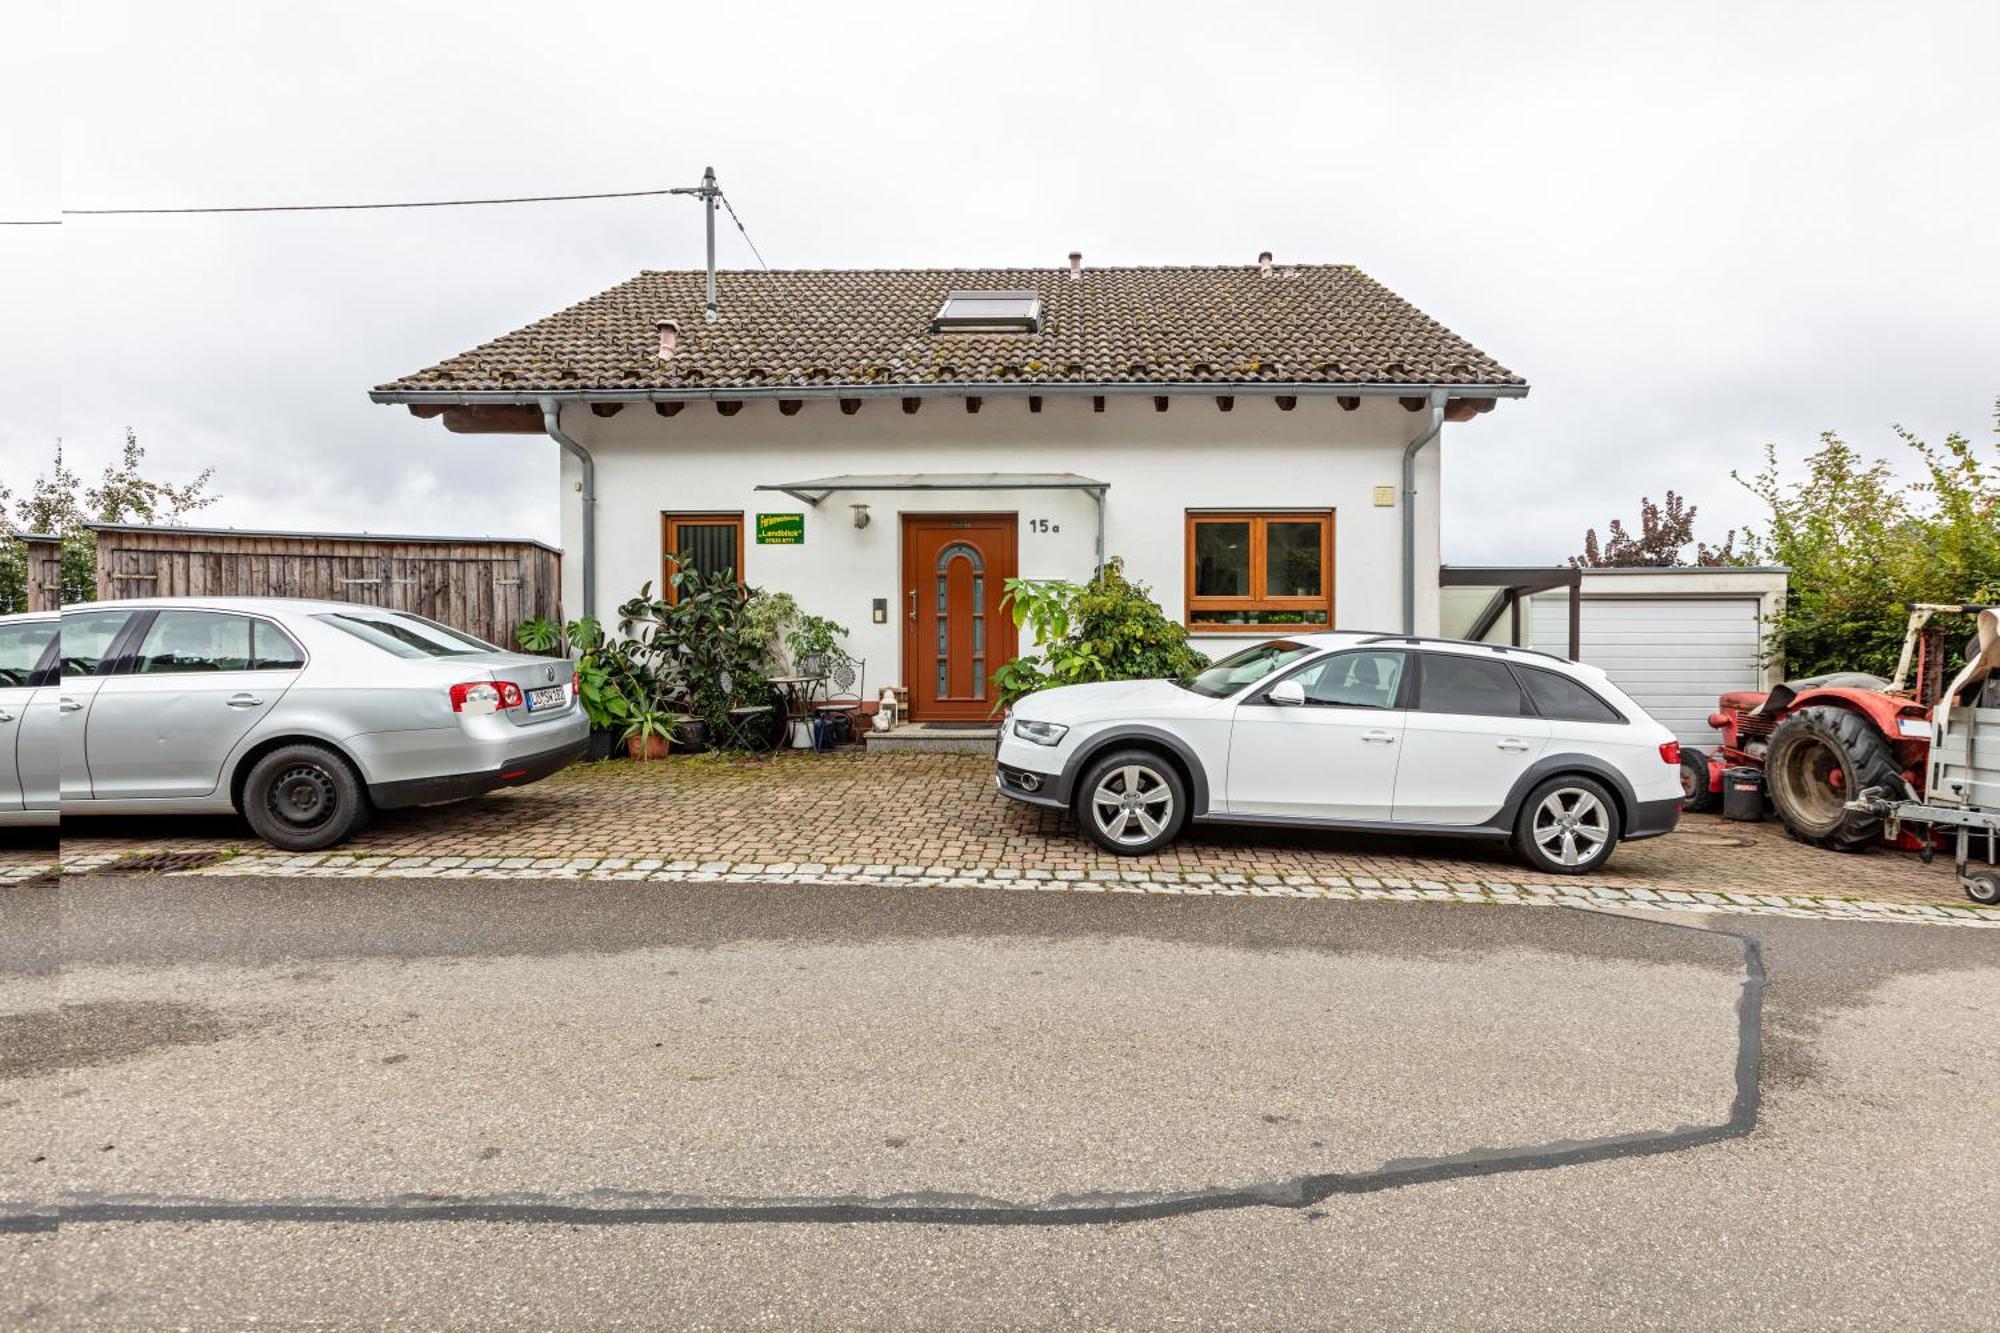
{"x": 1379, "y": 737}
{"x": 6, "y": 716}
{"x": 1514, "y": 746}
{"x": 244, "y": 701}
{"x": 69, "y": 705}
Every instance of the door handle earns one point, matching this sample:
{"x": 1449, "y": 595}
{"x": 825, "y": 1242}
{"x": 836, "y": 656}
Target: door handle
{"x": 913, "y": 604}
{"x": 69, "y": 705}
{"x": 244, "y": 701}
{"x": 1379, "y": 737}
{"x": 6, "y": 716}
{"x": 1513, "y": 746}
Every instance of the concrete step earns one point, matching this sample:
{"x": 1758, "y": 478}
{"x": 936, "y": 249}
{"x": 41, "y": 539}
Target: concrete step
{"x": 934, "y": 738}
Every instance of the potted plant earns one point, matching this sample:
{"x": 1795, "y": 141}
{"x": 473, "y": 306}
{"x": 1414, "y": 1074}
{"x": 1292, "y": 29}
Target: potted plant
{"x": 650, "y": 732}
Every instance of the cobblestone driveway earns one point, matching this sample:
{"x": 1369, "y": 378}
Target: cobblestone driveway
{"x": 941, "y": 810}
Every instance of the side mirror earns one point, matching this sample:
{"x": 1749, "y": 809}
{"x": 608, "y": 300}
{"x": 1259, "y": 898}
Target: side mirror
{"x": 1286, "y": 694}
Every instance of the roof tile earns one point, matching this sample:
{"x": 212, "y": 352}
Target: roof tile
{"x": 1322, "y": 323}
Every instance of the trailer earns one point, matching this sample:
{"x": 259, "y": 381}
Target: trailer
{"x": 1960, "y": 797}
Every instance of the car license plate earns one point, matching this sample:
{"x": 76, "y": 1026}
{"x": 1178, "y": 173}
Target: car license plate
{"x": 553, "y": 696}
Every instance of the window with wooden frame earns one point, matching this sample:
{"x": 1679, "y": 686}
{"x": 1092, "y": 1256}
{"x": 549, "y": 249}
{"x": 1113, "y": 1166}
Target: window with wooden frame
{"x": 710, "y": 543}
{"x": 1250, "y": 571}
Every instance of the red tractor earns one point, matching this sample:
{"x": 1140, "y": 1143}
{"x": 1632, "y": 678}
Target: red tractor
{"x": 1826, "y": 740}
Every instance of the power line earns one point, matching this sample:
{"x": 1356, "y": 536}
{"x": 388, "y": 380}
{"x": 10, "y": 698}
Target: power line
{"x": 746, "y": 233}
{"x": 348, "y": 208}
{"x": 31, "y": 222}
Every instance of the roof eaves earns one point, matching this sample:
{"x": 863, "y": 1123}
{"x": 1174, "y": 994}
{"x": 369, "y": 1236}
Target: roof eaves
{"x": 391, "y": 393}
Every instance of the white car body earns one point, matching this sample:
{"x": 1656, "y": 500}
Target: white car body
{"x": 1398, "y": 768}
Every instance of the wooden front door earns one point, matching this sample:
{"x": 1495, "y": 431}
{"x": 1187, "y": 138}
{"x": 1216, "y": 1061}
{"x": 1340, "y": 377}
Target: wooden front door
{"x": 955, "y": 634}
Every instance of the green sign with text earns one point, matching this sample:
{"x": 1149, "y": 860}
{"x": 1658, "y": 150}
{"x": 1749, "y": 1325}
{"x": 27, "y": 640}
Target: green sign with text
{"x": 781, "y": 529}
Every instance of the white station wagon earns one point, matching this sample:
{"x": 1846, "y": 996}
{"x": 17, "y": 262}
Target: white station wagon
{"x": 1390, "y": 733}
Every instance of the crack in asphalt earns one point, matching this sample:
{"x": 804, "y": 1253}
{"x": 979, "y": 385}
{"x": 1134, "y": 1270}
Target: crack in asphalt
{"x": 628, "y": 1208}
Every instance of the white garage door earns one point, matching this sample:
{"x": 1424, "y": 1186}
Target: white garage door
{"x": 1675, "y": 655}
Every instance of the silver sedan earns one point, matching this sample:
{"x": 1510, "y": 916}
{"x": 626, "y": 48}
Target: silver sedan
{"x": 304, "y": 716}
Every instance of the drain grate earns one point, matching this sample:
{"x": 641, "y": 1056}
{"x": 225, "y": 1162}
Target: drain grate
{"x": 156, "y": 863}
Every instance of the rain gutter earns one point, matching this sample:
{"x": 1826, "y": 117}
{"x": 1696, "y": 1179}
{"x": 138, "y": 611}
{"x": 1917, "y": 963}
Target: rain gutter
{"x": 964, "y": 389}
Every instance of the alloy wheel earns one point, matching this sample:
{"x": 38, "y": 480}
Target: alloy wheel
{"x": 1571, "y": 826}
{"x": 1132, "y": 804}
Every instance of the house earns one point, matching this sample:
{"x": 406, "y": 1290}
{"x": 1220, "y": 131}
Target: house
{"x": 1260, "y": 443}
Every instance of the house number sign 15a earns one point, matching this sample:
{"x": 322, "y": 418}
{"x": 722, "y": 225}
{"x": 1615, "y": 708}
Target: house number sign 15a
{"x": 781, "y": 529}
{"x": 1043, "y": 525}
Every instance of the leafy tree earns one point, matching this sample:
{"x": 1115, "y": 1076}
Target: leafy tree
{"x": 61, "y": 505}
{"x": 1665, "y": 531}
{"x": 1862, "y": 546}
{"x": 1107, "y": 629}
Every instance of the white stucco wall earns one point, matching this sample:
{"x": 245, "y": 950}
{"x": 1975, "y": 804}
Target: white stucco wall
{"x": 1157, "y": 465}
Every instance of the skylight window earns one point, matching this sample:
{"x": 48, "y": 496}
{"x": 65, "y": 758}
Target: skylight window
{"x": 989, "y": 312}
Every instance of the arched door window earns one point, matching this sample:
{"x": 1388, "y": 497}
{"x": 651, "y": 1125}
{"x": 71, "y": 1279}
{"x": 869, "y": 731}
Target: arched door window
{"x": 951, "y": 553}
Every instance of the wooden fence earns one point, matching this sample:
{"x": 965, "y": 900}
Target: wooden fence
{"x": 482, "y": 586}
{"x": 44, "y": 570}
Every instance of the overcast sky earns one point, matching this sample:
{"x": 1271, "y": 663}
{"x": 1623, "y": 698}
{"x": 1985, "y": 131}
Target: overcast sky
{"x": 1694, "y": 228}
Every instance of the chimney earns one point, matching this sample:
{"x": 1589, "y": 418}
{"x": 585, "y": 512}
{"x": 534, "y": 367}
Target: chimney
{"x": 1264, "y": 262}
{"x": 670, "y": 337}
{"x": 1076, "y": 266}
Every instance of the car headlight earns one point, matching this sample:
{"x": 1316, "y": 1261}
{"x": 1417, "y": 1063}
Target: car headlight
{"x": 1041, "y": 733}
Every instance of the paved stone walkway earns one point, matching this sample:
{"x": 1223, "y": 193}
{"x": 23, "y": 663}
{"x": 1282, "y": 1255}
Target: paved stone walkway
{"x": 929, "y": 818}
{"x": 336, "y": 865}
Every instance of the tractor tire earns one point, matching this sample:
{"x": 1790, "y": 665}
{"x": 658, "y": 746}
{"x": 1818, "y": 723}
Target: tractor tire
{"x": 1820, "y": 758}
{"x": 1695, "y": 795}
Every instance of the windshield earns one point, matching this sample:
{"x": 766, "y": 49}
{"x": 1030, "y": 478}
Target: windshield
{"x": 406, "y": 635}
{"x": 1245, "y": 668}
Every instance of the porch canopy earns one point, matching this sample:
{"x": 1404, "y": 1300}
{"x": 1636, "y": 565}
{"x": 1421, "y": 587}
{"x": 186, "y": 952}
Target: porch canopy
{"x": 812, "y": 492}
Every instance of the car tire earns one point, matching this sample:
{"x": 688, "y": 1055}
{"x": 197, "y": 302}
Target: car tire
{"x": 301, "y": 798}
{"x": 1695, "y": 795}
{"x": 1568, "y": 826}
{"x": 1132, "y": 802}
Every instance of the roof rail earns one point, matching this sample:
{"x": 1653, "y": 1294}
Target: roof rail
{"x": 1464, "y": 643}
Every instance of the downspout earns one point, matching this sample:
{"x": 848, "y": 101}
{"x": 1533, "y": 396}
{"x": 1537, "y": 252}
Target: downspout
{"x": 1097, "y": 494}
{"x": 552, "y": 423}
{"x": 1410, "y": 452}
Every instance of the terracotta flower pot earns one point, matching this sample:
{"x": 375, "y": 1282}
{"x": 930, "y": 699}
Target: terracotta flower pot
{"x": 647, "y": 747}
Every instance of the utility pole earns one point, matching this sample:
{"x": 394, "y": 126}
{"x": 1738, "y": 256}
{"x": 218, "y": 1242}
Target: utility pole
{"x": 708, "y": 192}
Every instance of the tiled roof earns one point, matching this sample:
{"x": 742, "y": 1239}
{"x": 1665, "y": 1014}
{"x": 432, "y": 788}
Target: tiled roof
{"x": 1303, "y": 324}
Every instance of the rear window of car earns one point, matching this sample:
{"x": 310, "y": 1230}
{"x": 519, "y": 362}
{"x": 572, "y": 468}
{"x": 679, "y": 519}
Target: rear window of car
{"x": 405, "y": 635}
{"x": 1561, "y": 699}
{"x": 1453, "y": 684}
{"x": 86, "y": 637}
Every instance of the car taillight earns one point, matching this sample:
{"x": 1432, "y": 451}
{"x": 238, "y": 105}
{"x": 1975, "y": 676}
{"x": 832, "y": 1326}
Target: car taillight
{"x": 485, "y": 696}
{"x": 1671, "y": 752}
{"x": 575, "y": 683}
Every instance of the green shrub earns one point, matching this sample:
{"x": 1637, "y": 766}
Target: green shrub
{"x": 1107, "y": 629}
{"x": 701, "y": 653}
{"x": 1862, "y": 544}
{"x": 609, "y": 684}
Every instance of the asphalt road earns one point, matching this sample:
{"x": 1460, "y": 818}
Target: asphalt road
{"x": 506, "y": 1103}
